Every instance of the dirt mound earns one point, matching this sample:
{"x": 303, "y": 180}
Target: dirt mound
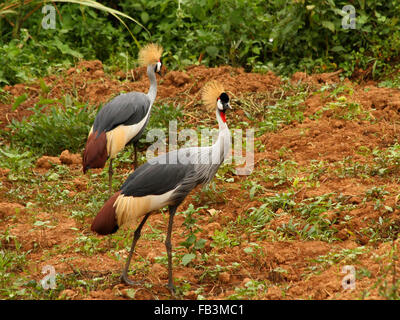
{"x": 88, "y": 80}
{"x": 47, "y": 162}
{"x": 316, "y": 79}
{"x": 7, "y": 209}
{"x": 385, "y": 99}
{"x": 235, "y": 80}
{"x": 176, "y": 79}
{"x": 330, "y": 139}
{"x": 69, "y": 158}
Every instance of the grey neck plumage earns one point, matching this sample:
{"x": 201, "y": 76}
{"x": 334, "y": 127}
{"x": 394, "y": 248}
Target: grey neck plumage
{"x": 153, "y": 83}
{"x": 218, "y": 152}
{"x": 223, "y": 144}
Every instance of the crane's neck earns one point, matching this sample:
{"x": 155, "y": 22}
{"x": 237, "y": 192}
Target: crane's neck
{"x": 223, "y": 143}
{"x": 153, "y": 83}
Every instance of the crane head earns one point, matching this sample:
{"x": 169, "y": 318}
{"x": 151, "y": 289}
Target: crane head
{"x": 157, "y": 68}
{"x": 223, "y": 102}
{"x": 223, "y": 105}
{"x": 214, "y": 95}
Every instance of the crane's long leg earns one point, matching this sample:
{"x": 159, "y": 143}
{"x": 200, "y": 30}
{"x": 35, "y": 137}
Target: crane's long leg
{"x": 172, "y": 210}
{"x": 110, "y": 174}
{"x": 124, "y": 276}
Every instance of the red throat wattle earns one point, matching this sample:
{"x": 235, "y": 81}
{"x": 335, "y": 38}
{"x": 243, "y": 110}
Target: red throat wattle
{"x": 222, "y": 114}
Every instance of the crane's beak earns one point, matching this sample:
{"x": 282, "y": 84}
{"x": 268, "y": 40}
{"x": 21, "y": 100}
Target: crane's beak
{"x": 227, "y": 106}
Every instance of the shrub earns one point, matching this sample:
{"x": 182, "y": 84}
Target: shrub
{"x": 55, "y": 130}
{"x": 282, "y": 35}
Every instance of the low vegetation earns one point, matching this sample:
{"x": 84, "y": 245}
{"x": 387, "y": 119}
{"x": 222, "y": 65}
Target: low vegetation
{"x": 323, "y": 193}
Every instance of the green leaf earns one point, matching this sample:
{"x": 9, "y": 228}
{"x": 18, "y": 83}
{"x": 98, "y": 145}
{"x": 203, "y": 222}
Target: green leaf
{"x": 328, "y": 25}
{"x": 39, "y": 223}
{"x": 248, "y": 250}
{"x": 65, "y": 49}
{"x": 145, "y": 17}
{"x": 187, "y": 258}
{"x": 200, "y": 244}
{"x": 43, "y": 86}
{"x": 130, "y": 293}
{"x": 212, "y": 51}
{"x": 390, "y": 209}
{"x": 22, "y": 98}
{"x": 362, "y": 19}
{"x": 337, "y": 49}
{"x": 256, "y": 50}
{"x": 190, "y": 240}
{"x": 53, "y": 177}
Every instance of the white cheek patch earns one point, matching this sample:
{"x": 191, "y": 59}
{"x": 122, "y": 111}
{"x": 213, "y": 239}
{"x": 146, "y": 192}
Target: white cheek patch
{"x": 158, "y": 66}
{"x": 219, "y": 105}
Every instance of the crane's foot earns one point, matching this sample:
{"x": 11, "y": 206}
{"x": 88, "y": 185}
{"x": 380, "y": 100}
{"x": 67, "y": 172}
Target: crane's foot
{"x": 125, "y": 279}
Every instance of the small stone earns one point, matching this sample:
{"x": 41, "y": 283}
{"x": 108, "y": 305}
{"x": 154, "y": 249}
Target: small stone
{"x": 191, "y": 295}
{"x": 224, "y": 277}
{"x": 68, "y": 293}
{"x": 244, "y": 282}
{"x": 96, "y": 294}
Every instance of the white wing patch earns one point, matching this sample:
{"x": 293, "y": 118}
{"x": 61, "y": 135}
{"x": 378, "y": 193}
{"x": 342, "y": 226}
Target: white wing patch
{"x": 118, "y": 137}
{"x": 129, "y": 209}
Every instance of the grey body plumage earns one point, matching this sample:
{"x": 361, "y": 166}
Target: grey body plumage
{"x": 181, "y": 169}
{"x": 120, "y": 122}
{"x": 125, "y": 109}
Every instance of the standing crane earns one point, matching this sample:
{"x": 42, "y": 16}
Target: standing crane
{"x": 166, "y": 180}
{"x": 123, "y": 119}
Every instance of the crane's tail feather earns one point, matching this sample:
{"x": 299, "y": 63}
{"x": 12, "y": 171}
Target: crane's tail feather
{"x": 106, "y": 220}
{"x": 95, "y": 154}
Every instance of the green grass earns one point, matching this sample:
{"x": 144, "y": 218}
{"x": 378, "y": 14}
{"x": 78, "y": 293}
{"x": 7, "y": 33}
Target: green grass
{"x": 52, "y": 129}
{"x": 18, "y": 161}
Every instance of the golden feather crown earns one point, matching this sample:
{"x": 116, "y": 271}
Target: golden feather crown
{"x": 150, "y": 54}
{"x": 210, "y": 93}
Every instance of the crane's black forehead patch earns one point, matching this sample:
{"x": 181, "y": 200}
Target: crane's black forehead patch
{"x": 224, "y": 97}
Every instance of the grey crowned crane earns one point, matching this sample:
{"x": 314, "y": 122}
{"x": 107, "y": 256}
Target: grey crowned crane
{"x": 123, "y": 119}
{"x": 166, "y": 180}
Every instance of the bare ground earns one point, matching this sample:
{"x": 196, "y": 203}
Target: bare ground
{"x": 288, "y": 266}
